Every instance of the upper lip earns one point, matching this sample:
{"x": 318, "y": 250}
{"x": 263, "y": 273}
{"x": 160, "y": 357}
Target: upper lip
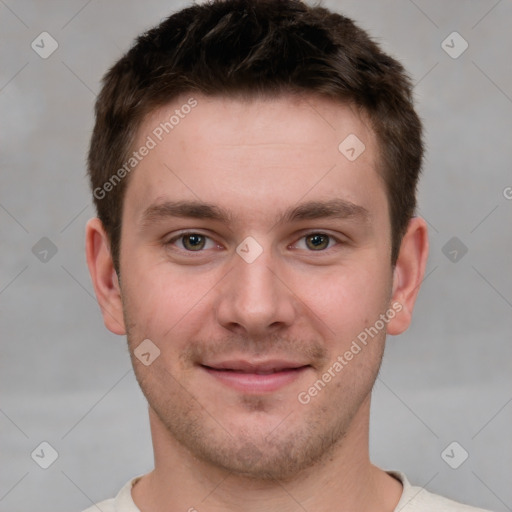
{"x": 238, "y": 365}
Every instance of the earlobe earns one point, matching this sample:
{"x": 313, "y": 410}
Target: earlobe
{"x": 104, "y": 276}
{"x": 408, "y": 274}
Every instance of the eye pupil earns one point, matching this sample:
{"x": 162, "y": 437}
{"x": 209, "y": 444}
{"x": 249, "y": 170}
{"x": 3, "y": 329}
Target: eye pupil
{"x": 193, "y": 242}
{"x": 317, "y": 241}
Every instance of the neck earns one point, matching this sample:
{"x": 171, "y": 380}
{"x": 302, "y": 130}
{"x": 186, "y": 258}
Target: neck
{"x": 344, "y": 480}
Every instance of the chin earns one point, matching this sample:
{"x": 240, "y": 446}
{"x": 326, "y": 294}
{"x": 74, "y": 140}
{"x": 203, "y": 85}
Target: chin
{"x": 261, "y": 452}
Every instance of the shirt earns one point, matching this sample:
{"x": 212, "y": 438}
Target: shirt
{"x": 414, "y": 499}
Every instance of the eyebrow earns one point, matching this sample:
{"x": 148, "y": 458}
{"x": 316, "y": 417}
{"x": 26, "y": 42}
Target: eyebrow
{"x": 188, "y": 209}
{"x": 334, "y": 208}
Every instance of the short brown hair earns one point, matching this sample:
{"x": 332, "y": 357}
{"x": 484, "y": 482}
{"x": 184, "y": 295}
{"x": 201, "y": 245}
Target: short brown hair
{"x": 254, "y": 48}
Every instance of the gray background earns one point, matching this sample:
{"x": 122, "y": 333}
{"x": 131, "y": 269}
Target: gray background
{"x": 66, "y": 380}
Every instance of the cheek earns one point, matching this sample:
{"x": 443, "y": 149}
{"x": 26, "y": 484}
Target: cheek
{"x": 162, "y": 304}
{"x": 346, "y": 299}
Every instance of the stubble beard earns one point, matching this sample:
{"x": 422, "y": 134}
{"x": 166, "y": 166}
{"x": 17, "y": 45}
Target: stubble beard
{"x": 303, "y": 438}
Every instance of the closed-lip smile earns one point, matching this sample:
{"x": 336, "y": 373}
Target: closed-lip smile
{"x": 256, "y": 377}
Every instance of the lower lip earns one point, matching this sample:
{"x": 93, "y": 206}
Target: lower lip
{"x": 254, "y": 383}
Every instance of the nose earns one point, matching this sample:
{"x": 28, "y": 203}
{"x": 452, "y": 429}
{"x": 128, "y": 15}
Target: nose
{"x": 254, "y": 298}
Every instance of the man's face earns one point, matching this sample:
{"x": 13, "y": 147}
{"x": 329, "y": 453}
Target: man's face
{"x": 252, "y": 296}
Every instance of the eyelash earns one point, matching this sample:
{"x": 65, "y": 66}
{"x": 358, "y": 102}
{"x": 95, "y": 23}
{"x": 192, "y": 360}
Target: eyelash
{"x": 188, "y": 233}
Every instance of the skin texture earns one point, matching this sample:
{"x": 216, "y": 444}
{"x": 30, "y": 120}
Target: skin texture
{"x": 255, "y": 160}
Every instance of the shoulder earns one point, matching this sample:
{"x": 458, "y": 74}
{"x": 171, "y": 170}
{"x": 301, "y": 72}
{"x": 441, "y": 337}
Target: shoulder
{"x": 123, "y": 502}
{"x": 104, "y": 506}
{"x": 418, "y": 499}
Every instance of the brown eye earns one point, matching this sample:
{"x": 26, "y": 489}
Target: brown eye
{"x": 193, "y": 242}
{"x": 317, "y": 241}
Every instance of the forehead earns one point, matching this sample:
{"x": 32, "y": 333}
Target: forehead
{"x": 256, "y": 154}
{"x": 311, "y": 120}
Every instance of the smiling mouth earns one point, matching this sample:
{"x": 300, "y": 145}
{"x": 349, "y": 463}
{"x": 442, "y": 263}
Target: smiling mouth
{"x": 256, "y": 378}
{"x": 256, "y": 372}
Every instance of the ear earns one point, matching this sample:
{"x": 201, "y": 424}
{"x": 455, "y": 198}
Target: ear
{"x": 408, "y": 274}
{"x": 104, "y": 277}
